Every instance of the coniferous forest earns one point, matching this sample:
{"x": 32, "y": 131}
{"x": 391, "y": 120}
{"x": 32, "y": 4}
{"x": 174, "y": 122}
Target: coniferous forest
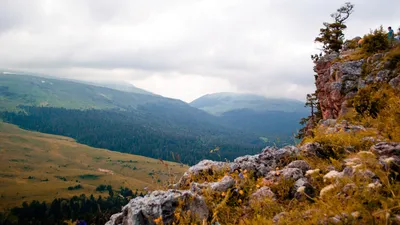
{"x": 90, "y": 209}
{"x": 164, "y": 136}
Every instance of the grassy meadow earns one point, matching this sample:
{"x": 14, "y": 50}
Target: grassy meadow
{"x": 37, "y": 166}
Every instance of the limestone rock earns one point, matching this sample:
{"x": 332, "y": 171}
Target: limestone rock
{"x": 300, "y": 164}
{"x": 287, "y": 174}
{"x": 313, "y": 149}
{"x": 334, "y": 82}
{"x": 332, "y": 176}
{"x": 386, "y": 148}
{"x": 390, "y": 163}
{"x": 312, "y": 172}
{"x": 159, "y": 204}
{"x": 261, "y": 194}
{"x": 302, "y": 189}
{"x": 395, "y": 83}
{"x": 327, "y": 189}
{"x": 278, "y": 217}
{"x": 203, "y": 167}
{"x": 262, "y": 163}
{"x": 220, "y": 186}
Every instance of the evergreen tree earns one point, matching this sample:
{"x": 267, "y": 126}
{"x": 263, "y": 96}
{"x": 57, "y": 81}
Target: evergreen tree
{"x": 331, "y": 35}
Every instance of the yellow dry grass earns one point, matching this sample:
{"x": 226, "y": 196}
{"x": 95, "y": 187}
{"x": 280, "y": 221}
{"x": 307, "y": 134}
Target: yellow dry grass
{"x": 32, "y": 163}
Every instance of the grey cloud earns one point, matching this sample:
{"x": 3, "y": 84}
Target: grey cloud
{"x": 260, "y": 46}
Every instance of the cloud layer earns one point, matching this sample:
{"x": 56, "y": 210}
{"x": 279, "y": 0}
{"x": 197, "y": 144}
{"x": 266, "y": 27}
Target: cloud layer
{"x": 179, "y": 48}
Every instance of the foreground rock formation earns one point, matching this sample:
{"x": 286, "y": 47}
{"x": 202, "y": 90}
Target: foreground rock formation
{"x": 160, "y": 206}
{"x": 338, "y": 81}
{"x": 345, "y": 172}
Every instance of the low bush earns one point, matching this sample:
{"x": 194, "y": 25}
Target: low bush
{"x": 76, "y": 187}
{"x": 375, "y": 41}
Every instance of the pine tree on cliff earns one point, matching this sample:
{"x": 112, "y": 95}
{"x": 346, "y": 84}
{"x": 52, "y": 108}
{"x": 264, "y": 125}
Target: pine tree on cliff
{"x": 310, "y": 121}
{"x": 331, "y": 35}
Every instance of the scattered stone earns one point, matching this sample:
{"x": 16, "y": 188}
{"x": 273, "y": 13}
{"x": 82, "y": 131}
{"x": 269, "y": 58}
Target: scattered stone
{"x": 356, "y": 215}
{"x": 220, "y": 186}
{"x": 287, "y": 174}
{"x": 302, "y": 189}
{"x": 382, "y": 76}
{"x": 395, "y": 83}
{"x": 313, "y": 149}
{"x": 349, "y": 189}
{"x": 159, "y": 204}
{"x": 207, "y": 166}
{"x": 348, "y": 171}
{"x": 328, "y": 122}
{"x": 339, "y": 219}
{"x": 332, "y": 176}
{"x": 371, "y": 139}
{"x": 262, "y": 193}
{"x": 352, "y": 161}
{"x": 386, "y": 148}
{"x": 375, "y": 185}
{"x": 300, "y": 164}
{"x": 327, "y": 189}
{"x": 203, "y": 167}
{"x": 312, "y": 172}
{"x": 390, "y": 163}
{"x": 330, "y": 168}
{"x": 279, "y": 216}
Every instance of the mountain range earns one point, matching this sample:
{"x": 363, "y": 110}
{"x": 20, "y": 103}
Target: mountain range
{"x": 124, "y": 118}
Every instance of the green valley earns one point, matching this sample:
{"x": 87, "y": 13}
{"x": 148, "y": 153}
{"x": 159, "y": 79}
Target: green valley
{"x": 37, "y": 166}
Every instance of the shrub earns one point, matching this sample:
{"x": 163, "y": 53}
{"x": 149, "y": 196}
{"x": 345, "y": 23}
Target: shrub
{"x": 378, "y": 107}
{"x": 393, "y": 58}
{"x": 76, "y": 187}
{"x": 375, "y": 41}
{"x": 368, "y": 102}
{"x": 101, "y": 187}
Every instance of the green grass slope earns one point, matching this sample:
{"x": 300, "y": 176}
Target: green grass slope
{"x": 37, "y": 166}
{"x": 39, "y": 91}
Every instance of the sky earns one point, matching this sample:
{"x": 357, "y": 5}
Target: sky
{"x": 179, "y": 48}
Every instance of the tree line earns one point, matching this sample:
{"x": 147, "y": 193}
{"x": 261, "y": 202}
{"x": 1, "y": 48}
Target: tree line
{"x": 159, "y": 135}
{"x": 90, "y": 209}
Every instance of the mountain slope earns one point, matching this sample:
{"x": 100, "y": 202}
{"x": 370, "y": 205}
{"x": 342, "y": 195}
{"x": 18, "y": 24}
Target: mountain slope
{"x": 220, "y": 103}
{"x": 276, "y": 120}
{"x": 119, "y": 86}
{"x": 147, "y": 125}
{"x": 37, "y": 166}
{"x": 38, "y": 91}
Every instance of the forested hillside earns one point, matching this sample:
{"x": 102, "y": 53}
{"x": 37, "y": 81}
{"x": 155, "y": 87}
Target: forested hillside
{"x": 142, "y": 124}
{"x": 163, "y": 133}
{"x": 270, "y": 118}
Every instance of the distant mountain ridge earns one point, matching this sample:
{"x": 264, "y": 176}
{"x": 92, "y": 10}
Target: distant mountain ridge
{"x": 219, "y": 103}
{"x": 118, "y": 85}
{"x": 268, "y": 117}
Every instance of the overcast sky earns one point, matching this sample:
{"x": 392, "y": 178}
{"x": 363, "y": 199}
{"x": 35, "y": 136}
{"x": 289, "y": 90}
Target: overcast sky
{"x": 179, "y": 48}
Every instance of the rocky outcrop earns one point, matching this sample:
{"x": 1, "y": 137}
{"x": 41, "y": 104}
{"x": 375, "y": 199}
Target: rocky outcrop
{"x": 273, "y": 165}
{"x": 159, "y": 205}
{"x": 338, "y": 81}
{"x": 268, "y": 159}
{"x": 389, "y": 155}
{"x": 223, "y": 185}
